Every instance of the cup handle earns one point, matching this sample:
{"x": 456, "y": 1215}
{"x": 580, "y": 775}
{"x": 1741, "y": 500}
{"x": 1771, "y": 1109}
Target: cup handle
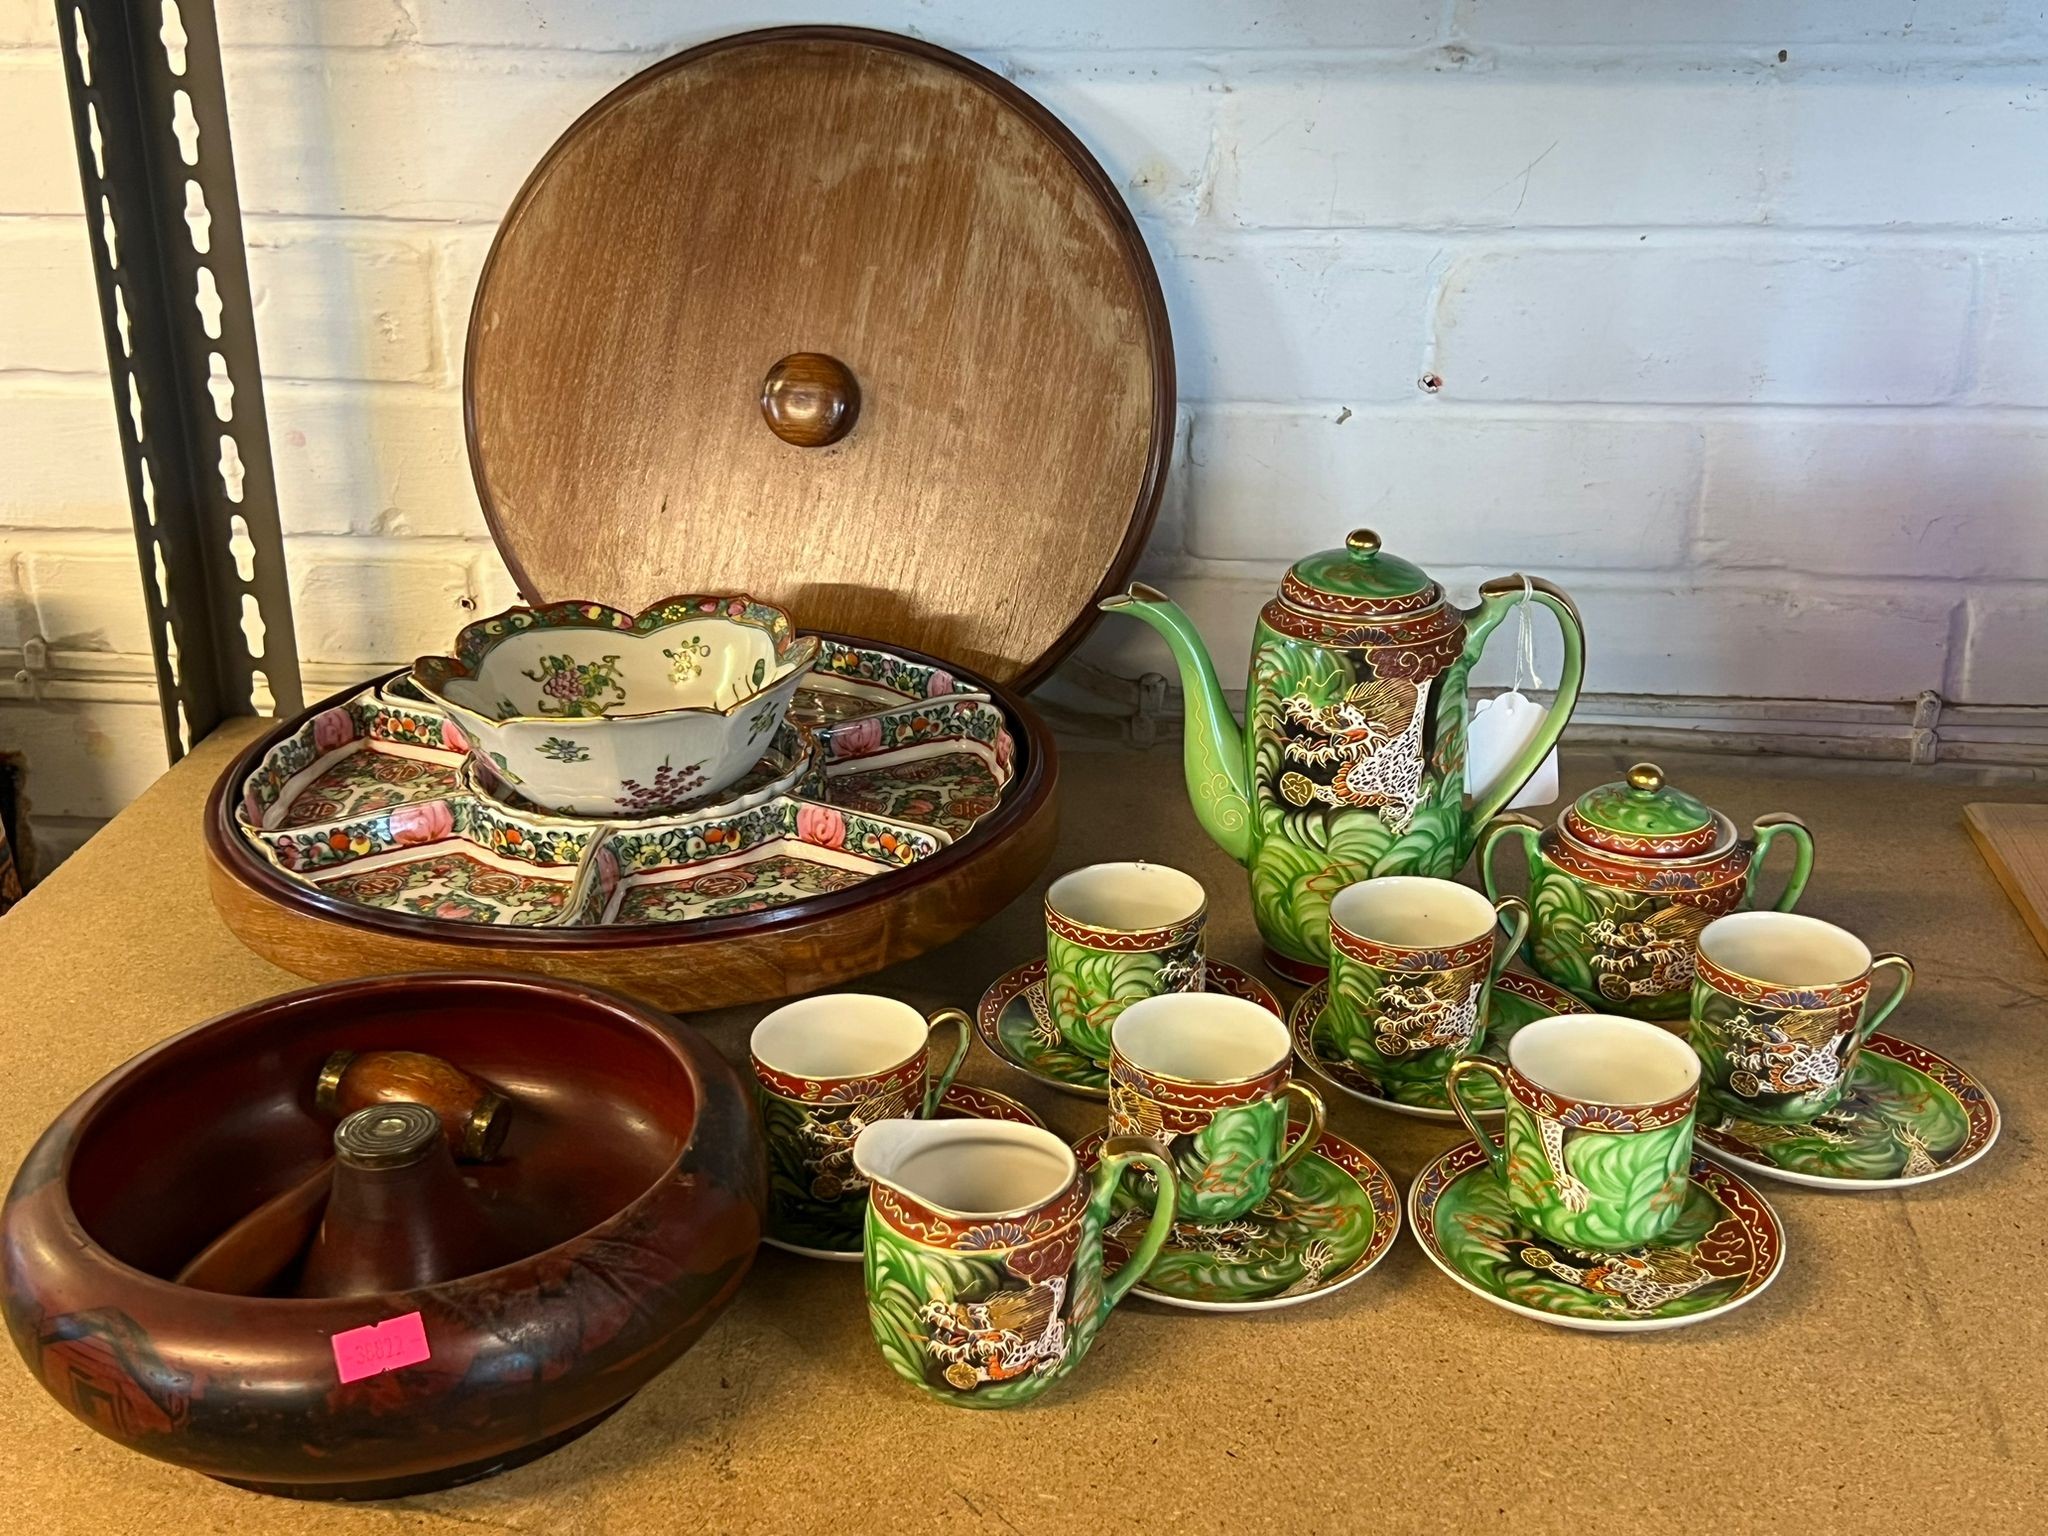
{"x": 1311, "y": 1133}
{"x": 1119, "y": 1153}
{"x": 1872, "y": 1017}
{"x": 1497, "y": 1156}
{"x": 935, "y": 1087}
{"x": 1767, "y": 828}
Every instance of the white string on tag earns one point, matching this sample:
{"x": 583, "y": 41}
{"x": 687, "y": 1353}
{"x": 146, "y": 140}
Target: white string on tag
{"x": 1503, "y": 726}
{"x": 1525, "y": 648}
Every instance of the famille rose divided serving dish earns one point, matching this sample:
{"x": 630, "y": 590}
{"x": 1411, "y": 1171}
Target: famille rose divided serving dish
{"x": 373, "y": 802}
{"x": 374, "y": 808}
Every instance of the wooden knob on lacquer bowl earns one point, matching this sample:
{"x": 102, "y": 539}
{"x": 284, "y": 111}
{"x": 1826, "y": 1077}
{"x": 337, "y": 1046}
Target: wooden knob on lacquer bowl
{"x": 810, "y": 399}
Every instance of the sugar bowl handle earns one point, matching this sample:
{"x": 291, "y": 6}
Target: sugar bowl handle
{"x": 1526, "y": 828}
{"x": 1767, "y": 829}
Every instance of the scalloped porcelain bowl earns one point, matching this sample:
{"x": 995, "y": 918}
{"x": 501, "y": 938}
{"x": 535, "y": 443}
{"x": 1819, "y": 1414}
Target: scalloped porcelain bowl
{"x": 591, "y": 711}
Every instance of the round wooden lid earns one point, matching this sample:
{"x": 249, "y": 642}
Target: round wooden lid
{"x": 835, "y": 318}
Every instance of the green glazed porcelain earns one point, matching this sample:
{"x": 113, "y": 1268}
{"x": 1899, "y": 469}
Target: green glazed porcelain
{"x": 1116, "y": 933}
{"x": 1015, "y": 1022}
{"x": 837, "y": 1239}
{"x": 1620, "y": 888}
{"x": 1352, "y": 762}
{"x": 1780, "y": 1051}
{"x": 1208, "y": 1078}
{"x": 1517, "y": 999}
{"x": 1332, "y": 1218}
{"x": 825, "y": 1069}
{"x": 984, "y": 1252}
{"x": 1723, "y": 1247}
{"x": 1907, "y": 1116}
{"x": 1598, "y": 1128}
{"x": 1412, "y": 963}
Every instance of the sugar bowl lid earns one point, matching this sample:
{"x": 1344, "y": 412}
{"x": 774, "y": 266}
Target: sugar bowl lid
{"x": 836, "y": 318}
{"x": 1642, "y": 817}
{"x": 1361, "y": 581}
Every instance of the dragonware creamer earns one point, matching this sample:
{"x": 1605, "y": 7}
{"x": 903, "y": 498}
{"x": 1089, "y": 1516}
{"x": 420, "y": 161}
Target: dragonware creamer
{"x": 1352, "y": 760}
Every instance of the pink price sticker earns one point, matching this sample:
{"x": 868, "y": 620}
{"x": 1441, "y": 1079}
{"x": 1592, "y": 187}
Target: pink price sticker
{"x": 381, "y": 1347}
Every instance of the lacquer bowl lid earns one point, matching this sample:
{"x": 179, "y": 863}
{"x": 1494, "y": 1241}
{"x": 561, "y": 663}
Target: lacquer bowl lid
{"x": 842, "y": 319}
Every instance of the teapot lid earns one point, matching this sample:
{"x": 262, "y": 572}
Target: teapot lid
{"x": 1359, "y": 581}
{"x": 1643, "y": 817}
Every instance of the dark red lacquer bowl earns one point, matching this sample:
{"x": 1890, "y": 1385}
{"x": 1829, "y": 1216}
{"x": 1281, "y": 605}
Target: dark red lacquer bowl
{"x": 633, "y": 1178}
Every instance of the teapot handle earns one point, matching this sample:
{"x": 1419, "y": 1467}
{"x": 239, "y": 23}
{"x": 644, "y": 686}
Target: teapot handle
{"x": 1767, "y": 828}
{"x": 1495, "y": 599}
{"x": 1118, "y": 1153}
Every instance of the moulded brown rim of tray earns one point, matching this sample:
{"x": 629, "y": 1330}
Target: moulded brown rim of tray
{"x": 1030, "y": 794}
{"x": 1144, "y": 275}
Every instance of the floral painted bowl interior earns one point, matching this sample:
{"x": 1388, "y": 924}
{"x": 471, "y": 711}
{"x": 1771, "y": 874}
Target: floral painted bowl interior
{"x": 372, "y": 802}
{"x": 588, "y": 710}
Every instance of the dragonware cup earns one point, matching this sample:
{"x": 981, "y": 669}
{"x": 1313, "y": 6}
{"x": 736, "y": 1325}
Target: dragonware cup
{"x": 1412, "y": 964}
{"x": 825, "y": 1068}
{"x": 1598, "y": 1128}
{"x": 984, "y": 1252}
{"x": 1208, "y": 1077}
{"x": 1115, "y": 933}
{"x": 1780, "y": 1007}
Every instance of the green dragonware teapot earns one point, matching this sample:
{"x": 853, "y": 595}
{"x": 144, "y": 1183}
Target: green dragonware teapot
{"x": 1352, "y": 761}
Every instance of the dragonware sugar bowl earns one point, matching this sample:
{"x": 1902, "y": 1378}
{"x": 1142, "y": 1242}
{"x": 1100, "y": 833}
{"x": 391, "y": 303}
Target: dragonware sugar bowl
{"x": 1352, "y": 761}
{"x": 624, "y": 1204}
{"x": 1620, "y": 888}
{"x": 587, "y": 710}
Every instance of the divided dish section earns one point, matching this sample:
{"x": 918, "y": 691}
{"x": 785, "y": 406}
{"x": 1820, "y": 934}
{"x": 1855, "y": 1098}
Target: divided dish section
{"x": 379, "y": 802}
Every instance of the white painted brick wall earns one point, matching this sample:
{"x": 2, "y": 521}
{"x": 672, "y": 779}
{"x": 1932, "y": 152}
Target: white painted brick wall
{"x": 1734, "y": 316}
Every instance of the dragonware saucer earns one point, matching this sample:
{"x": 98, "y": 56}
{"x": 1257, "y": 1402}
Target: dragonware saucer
{"x": 1726, "y": 1248}
{"x": 1014, "y": 1022}
{"x": 962, "y": 1101}
{"x": 1330, "y": 1218}
{"x": 883, "y": 762}
{"x": 1517, "y": 1000}
{"x": 1908, "y": 1116}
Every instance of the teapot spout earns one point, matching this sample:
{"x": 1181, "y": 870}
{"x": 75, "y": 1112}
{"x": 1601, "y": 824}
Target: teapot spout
{"x": 1212, "y": 746}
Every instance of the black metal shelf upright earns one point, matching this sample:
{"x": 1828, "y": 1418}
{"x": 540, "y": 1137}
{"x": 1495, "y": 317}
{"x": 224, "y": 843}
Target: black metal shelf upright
{"x": 149, "y": 114}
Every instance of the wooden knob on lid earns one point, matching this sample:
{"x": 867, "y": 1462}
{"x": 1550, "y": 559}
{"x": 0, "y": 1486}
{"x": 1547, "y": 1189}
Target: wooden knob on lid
{"x": 810, "y": 399}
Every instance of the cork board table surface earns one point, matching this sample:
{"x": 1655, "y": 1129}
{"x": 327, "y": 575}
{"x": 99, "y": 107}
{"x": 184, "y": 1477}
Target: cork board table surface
{"x": 1893, "y": 1376}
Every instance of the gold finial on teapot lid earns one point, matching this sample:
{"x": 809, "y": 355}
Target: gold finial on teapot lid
{"x": 1646, "y": 776}
{"x": 1362, "y": 541}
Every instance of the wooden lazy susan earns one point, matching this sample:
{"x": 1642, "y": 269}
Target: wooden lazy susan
{"x": 827, "y": 316}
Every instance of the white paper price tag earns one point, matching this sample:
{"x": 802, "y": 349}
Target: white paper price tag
{"x": 1501, "y": 728}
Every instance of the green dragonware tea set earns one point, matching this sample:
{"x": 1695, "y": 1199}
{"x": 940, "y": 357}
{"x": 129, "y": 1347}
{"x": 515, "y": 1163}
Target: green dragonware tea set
{"x": 994, "y": 1251}
{"x": 1672, "y": 1027}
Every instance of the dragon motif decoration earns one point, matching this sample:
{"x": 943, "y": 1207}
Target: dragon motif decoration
{"x": 1006, "y": 1335}
{"x": 1647, "y": 958}
{"x": 1371, "y": 739}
